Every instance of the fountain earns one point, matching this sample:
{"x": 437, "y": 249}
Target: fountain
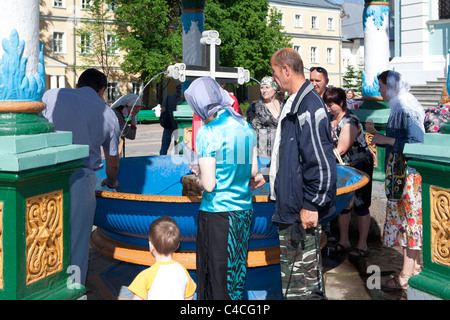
{"x": 151, "y": 187}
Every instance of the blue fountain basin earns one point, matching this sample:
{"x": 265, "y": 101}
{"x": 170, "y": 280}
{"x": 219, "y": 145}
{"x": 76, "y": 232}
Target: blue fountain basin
{"x": 151, "y": 187}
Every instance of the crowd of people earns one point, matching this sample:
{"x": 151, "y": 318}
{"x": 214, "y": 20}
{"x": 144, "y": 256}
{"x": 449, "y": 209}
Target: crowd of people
{"x": 314, "y": 129}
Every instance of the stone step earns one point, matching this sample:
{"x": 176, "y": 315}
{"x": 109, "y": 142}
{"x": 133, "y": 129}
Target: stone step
{"x": 429, "y": 94}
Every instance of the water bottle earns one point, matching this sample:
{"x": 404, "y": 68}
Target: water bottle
{"x": 190, "y": 156}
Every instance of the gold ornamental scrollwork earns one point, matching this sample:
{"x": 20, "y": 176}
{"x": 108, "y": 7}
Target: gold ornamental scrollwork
{"x": 44, "y": 235}
{"x": 440, "y": 225}
{"x": 373, "y": 148}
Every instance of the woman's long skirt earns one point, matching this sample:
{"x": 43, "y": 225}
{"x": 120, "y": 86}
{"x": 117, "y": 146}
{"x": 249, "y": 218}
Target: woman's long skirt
{"x": 221, "y": 254}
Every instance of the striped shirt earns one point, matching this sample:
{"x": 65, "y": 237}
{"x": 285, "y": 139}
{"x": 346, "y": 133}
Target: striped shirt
{"x": 87, "y": 116}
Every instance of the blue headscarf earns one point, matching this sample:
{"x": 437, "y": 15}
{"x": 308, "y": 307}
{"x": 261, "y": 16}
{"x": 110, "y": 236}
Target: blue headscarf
{"x": 205, "y": 96}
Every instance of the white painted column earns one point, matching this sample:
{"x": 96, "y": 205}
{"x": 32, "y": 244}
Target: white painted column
{"x": 376, "y": 45}
{"x": 53, "y": 82}
{"x": 23, "y": 16}
{"x": 62, "y": 81}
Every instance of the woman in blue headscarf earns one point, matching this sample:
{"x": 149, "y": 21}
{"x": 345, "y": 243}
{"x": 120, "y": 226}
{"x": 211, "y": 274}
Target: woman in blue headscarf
{"x": 226, "y": 147}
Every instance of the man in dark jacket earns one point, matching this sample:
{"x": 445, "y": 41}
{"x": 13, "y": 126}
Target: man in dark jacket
{"x": 303, "y": 179}
{"x": 167, "y": 120}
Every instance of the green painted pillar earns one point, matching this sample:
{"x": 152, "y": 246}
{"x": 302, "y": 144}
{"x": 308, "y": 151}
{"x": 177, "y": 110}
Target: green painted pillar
{"x": 183, "y": 116}
{"x": 432, "y": 160}
{"x": 379, "y": 112}
{"x": 35, "y": 166}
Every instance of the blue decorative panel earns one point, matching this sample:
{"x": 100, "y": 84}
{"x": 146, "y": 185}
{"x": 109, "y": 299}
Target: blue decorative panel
{"x": 378, "y": 13}
{"x": 188, "y": 17}
{"x": 15, "y": 85}
{"x": 370, "y": 90}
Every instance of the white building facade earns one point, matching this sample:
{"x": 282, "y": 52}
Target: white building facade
{"x": 421, "y": 39}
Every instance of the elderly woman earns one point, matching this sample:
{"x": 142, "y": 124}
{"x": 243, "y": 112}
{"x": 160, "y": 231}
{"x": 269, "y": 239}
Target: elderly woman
{"x": 226, "y": 148}
{"x": 263, "y": 116}
{"x": 403, "y": 226}
{"x": 125, "y": 106}
{"x": 349, "y": 141}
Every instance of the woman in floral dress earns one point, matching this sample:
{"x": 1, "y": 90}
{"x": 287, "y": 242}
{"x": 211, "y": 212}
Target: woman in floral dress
{"x": 403, "y": 226}
{"x": 263, "y": 116}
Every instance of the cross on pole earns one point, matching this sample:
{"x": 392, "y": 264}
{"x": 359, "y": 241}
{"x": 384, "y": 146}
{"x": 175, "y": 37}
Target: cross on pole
{"x": 210, "y": 68}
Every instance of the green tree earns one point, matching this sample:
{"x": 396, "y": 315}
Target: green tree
{"x": 98, "y": 42}
{"x": 150, "y": 34}
{"x": 249, "y": 32}
{"x": 353, "y": 78}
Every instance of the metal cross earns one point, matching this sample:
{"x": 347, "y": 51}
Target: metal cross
{"x": 210, "y": 68}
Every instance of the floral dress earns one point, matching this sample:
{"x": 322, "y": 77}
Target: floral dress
{"x": 435, "y": 118}
{"x": 403, "y": 225}
{"x": 265, "y": 126}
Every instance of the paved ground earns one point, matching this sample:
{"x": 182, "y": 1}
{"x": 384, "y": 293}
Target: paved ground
{"x": 346, "y": 278}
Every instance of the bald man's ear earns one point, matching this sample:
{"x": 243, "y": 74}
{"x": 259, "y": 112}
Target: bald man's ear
{"x": 287, "y": 71}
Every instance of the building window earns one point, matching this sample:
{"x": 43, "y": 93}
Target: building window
{"x": 298, "y": 48}
{"x": 136, "y": 87}
{"x": 330, "y": 24}
{"x": 58, "y": 42}
{"x": 280, "y": 20}
{"x": 111, "y": 45}
{"x": 444, "y": 9}
{"x": 313, "y": 55}
{"x": 314, "y": 22}
{"x": 58, "y": 4}
{"x": 86, "y": 4}
{"x": 298, "y": 23}
{"x": 86, "y": 43}
{"x": 330, "y": 55}
{"x": 113, "y": 91}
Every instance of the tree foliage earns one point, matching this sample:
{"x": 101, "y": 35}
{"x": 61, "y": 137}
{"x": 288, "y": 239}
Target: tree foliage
{"x": 96, "y": 28}
{"x": 150, "y": 34}
{"x": 353, "y": 78}
{"x": 249, "y": 32}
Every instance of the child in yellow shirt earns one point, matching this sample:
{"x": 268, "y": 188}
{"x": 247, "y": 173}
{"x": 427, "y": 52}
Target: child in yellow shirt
{"x": 166, "y": 279}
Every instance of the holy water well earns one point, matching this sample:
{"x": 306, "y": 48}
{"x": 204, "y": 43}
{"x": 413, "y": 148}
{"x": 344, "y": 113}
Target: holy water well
{"x": 151, "y": 187}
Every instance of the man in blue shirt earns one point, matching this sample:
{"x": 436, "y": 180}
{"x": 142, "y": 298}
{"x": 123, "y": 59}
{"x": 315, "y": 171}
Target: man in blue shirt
{"x": 83, "y": 112}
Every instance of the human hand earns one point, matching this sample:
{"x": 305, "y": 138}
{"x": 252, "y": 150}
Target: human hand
{"x": 108, "y": 183}
{"x": 136, "y": 110}
{"x": 370, "y": 127}
{"x": 195, "y": 168}
{"x": 257, "y": 181}
{"x": 309, "y": 218}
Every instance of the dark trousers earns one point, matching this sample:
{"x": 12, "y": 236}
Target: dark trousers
{"x": 221, "y": 254}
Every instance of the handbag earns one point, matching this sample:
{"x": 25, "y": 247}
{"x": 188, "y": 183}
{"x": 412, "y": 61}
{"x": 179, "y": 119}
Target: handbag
{"x": 395, "y": 176}
{"x": 338, "y": 156}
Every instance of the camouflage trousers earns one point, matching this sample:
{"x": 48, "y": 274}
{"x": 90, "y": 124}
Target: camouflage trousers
{"x": 301, "y": 266}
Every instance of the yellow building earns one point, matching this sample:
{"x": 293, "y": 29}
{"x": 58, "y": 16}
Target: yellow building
{"x": 69, "y": 48}
{"x": 315, "y": 32}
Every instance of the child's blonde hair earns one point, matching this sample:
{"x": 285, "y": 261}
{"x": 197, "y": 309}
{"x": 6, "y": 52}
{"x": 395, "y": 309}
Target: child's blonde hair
{"x": 164, "y": 234}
